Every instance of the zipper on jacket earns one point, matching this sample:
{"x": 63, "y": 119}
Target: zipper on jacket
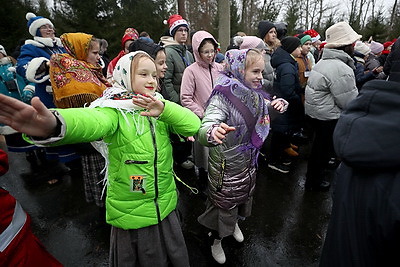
{"x": 212, "y": 80}
{"x": 129, "y": 161}
{"x": 153, "y": 135}
{"x": 221, "y": 176}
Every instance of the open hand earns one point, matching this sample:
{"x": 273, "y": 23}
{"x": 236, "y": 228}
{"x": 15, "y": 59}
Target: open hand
{"x": 153, "y": 106}
{"x": 34, "y": 119}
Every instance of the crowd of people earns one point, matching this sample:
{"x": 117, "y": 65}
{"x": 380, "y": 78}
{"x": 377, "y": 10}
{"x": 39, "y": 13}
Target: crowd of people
{"x": 163, "y": 105}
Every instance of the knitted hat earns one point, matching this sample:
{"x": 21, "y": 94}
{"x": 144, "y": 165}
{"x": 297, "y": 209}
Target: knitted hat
{"x": 130, "y": 34}
{"x": 219, "y": 58}
{"x": 264, "y": 27}
{"x": 247, "y": 42}
{"x": 376, "y": 47}
{"x": 175, "y": 21}
{"x": 362, "y": 48}
{"x": 35, "y": 22}
{"x": 144, "y": 45}
{"x": 314, "y": 35}
{"x": 290, "y": 43}
{"x": 304, "y": 38}
{"x": 387, "y": 44}
{"x": 340, "y": 34}
{"x": 3, "y": 51}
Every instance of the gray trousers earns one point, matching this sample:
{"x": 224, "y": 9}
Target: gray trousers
{"x": 156, "y": 245}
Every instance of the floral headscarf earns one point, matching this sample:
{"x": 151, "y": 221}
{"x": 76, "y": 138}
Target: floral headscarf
{"x": 251, "y": 103}
{"x": 77, "y": 44}
{"x": 75, "y": 81}
{"x": 122, "y": 71}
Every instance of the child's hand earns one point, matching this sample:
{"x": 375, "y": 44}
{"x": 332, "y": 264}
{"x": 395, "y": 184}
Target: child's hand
{"x": 221, "y": 131}
{"x": 190, "y": 138}
{"x": 34, "y": 119}
{"x": 154, "y": 107}
{"x": 279, "y": 104}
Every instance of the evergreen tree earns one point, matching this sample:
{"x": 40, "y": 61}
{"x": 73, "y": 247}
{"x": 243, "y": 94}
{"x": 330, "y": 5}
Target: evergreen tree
{"x": 376, "y": 28}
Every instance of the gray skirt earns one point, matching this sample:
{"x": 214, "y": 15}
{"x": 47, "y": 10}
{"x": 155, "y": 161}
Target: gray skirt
{"x": 223, "y": 221}
{"x": 156, "y": 245}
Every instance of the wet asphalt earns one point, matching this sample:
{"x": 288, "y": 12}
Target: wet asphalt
{"x": 287, "y": 226}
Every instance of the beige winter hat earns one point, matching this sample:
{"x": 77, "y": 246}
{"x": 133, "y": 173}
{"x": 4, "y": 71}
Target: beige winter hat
{"x": 340, "y": 34}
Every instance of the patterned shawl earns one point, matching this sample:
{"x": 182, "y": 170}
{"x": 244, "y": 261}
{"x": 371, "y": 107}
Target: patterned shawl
{"x": 251, "y": 103}
{"x": 75, "y": 82}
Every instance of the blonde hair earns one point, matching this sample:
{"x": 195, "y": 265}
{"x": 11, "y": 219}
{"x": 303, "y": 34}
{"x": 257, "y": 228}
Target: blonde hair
{"x": 135, "y": 63}
{"x": 253, "y": 56}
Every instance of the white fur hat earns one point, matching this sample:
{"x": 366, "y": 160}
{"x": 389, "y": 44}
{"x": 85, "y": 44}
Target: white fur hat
{"x": 340, "y": 34}
{"x": 35, "y": 22}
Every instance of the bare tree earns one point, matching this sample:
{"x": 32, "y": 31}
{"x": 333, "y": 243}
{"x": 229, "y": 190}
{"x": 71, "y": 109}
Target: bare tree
{"x": 224, "y": 32}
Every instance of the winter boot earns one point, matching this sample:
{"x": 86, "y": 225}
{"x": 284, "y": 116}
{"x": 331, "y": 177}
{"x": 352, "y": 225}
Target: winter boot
{"x": 218, "y": 252}
{"x": 237, "y": 234}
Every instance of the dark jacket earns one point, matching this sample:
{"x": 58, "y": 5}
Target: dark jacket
{"x": 364, "y": 229}
{"x": 362, "y": 76}
{"x": 178, "y": 59}
{"x": 392, "y": 64}
{"x": 287, "y": 86}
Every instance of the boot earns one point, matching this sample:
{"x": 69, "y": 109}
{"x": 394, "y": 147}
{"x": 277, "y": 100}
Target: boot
{"x": 32, "y": 159}
{"x": 237, "y": 234}
{"x": 218, "y": 252}
{"x": 291, "y": 152}
{"x": 294, "y": 147}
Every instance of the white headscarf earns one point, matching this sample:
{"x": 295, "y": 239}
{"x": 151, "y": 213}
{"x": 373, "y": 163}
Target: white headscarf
{"x": 122, "y": 71}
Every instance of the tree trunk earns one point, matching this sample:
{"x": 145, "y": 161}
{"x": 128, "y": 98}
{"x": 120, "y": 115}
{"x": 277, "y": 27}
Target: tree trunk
{"x": 181, "y": 8}
{"x": 224, "y": 19}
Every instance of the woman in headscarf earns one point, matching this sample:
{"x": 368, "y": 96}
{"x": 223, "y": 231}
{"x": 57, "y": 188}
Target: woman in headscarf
{"x": 77, "y": 80}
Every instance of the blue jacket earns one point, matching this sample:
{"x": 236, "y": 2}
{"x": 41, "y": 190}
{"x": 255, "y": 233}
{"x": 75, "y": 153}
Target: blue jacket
{"x": 42, "y": 49}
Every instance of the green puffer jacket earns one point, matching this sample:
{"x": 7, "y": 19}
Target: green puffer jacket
{"x": 178, "y": 59}
{"x": 141, "y": 190}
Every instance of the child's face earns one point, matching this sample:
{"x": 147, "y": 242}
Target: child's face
{"x": 93, "y": 54}
{"x": 207, "y": 52}
{"x": 270, "y": 37}
{"x": 253, "y": 74}
{"x": 144, "y": 78}
{"x": 161, "y": 65}
{"x": 306, "y": 47}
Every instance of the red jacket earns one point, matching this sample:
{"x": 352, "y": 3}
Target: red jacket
{"x": 23, "y": 249}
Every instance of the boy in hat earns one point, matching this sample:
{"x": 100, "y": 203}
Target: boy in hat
{"x": 286, "y": 86}
{"x": 178, "y": 59}
{"x": 315, "y": 41}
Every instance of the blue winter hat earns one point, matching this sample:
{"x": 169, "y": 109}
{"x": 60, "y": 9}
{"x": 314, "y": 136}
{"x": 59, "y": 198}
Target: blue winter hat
{"x": 35, "y": 22}
{"x": 219, "y": 58}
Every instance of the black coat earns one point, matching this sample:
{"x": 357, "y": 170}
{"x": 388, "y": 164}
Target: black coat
{"x": 287, "y": 86}
{"x": 364, "y": 229}
{"x": 392, "y": 64}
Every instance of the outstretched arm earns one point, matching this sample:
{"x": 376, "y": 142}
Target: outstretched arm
{"x": 34, "y": 119}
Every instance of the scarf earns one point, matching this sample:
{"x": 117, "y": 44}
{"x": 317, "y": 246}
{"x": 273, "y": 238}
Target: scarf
{"x": 75, "y": 82}
{"x": 251, "y": 103}
{"x": 119, "y": 97}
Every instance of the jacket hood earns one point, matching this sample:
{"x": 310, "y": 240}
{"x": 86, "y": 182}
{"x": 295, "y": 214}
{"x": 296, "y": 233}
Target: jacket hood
{"x": 331, "y": 53}
{"x": 281, "y": 56}
{"x": 367, "y": 133}
{"x": 167, "y": 40}
{"x": 198, "y": 37}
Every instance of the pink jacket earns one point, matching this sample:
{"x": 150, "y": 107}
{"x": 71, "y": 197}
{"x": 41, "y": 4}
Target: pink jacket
{"x": 198, "y": 79}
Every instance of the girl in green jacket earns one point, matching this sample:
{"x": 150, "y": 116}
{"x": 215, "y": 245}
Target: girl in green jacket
{"x": 133, "y": 123}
